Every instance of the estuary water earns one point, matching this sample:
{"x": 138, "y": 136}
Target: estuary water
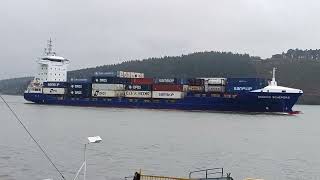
{"x": 159, "y": 142}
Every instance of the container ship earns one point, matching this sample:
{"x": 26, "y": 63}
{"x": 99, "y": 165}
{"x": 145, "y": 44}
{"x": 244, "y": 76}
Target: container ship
{"x": 133, "y": 90}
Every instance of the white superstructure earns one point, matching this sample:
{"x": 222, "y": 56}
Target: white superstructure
{"x": 51, "y": 68}
{"x": 274, "y": 88}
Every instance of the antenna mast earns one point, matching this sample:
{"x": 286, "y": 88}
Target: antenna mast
{"x": 274, "y": 82}
{"x": 48, "y": 51}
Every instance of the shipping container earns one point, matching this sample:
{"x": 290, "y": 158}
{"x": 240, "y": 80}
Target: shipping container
{"x": 138, "y": 94}
{"x": 136, "y": 75}
{"x": 247, "y": 81}
{"x": 109, "y": 87}
{"x": 57, "y": 91}
{"x": 185, "y": 88}
{"x": 104, "y": 93}
{"x": 79, "y": 89}
{"x": 196, "y": 88}
{"x": 106, "y": 74}
{"x": 110, "y": 80}
{"x": 55, "y": 84}
{"x": 142, "y": 81}
{"x": 79, "y": 93}
{"x": 165, "y": 80}
{"x": 215, "y": 81}
{"x": 110, "y": 74}
{"x": 167, "y": 94}
{"x": 77, "y": 80}
{"x": 167, "y": 87}
{"x": 195, "y": 82}
{"x": 139, "y": 87}
{"x": 182, "y": 81}
{"x": 219, "y": 89}
{"x": 79, "y": 85}
{"x": 126, "y": 74}
{"x": 235, "y": 85}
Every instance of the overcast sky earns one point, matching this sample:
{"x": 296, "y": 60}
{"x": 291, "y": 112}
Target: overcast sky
{"x": 97, "y": 32}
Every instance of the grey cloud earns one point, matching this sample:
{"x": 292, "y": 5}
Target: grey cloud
{"x": 96, "y": 32}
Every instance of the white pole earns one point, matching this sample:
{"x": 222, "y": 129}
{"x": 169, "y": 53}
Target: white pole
{"x": 274, "y": 74}
{"x": 85, "y": 162}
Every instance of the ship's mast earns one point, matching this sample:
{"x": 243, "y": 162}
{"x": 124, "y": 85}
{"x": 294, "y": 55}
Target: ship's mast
{"x": 48, "y": 51}
{"x": 273, "y": 82}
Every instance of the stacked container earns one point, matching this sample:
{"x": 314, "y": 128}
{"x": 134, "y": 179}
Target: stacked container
{"x": 142, "y": 81}
{"x": 167, "y": 89}
{"x": 196, "y": 85}
{"x": 165, "y": 80}
{"x": 79, "y": 89}
{"x": 54, "y": 88}
{"x": 121, "y": 74}
{"x": 110, "y": 80}
{"x": 215, "y": 85}
{"x": 138, "y": 91}
{"x": 103, "y": 86}
{"x": 240, "y": 85}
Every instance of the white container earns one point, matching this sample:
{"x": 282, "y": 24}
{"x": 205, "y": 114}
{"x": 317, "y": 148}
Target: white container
{"x": 120, "y": 74}
{"x": 140, "y": 75}
{"x": 196, "y": 88}
{"x": 215, "y": 89}
{"x": 109, "y": 87}
{"x": 103, "y": 93}
{"x": 138, "y": 94}
{"x": 185, "y": 88}
{"x": 54, "y": 90}
{"x": 167, "y": 94}
{"x": 136, "y": 75}
{"x": 216, "y": 81}
{"x": 126, "y": 74}
{"x": 133, "y": 75}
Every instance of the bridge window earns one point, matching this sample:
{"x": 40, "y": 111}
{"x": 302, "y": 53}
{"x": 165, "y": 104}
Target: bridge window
{"x": 284, "y": 91}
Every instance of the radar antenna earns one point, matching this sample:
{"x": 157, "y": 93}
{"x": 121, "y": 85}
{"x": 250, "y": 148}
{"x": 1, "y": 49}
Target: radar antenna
{"x": 49, "y": 50}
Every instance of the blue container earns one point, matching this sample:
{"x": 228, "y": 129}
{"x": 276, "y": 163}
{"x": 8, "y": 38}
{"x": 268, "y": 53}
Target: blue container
{"x": 139, "y": 87}
{"x": 55, "y": 84}
{"x": 182, "y": 81}
{"x": 235, "y": 85}
{"x": 79, "y": 86}
{"x": 106, "y": 80}
{"x": 195, "y": 82}
{"x": 79, "y": 93}
{"x": 75, "y": 80}
{"x": 110, "y": 80}
{"x": 107, "y": 74}
{"x": 123, "y": 81}
{"x": 79, "y": 89}
{"x": 165, "y": 80}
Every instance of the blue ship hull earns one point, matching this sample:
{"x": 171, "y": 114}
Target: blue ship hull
{"x": 246, "y": 102}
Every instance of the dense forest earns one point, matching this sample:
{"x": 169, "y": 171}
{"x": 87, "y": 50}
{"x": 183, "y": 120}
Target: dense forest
{"x": 292, "y": 71}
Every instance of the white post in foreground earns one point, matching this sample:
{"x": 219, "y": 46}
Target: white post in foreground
{"x": 95, "y": 139}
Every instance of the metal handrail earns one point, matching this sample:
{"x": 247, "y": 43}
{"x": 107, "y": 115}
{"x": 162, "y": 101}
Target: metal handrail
{"x": 207, "y": 170}
{"x": 152, "y": 177}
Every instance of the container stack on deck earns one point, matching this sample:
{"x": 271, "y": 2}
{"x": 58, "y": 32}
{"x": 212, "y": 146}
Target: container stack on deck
{"x": 79, "y": 88}
{"x": 167, "y": 88}
{"x": 135, "y": 85}
{"x": 54, "y": 88}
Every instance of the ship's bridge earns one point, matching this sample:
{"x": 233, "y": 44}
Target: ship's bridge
{"x": 54, "y": 58}
{"x": 51, "y": 67}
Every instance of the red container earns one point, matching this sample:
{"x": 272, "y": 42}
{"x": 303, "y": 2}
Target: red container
{"x": 167, "y": 87}
{"x": 142, "y": 81}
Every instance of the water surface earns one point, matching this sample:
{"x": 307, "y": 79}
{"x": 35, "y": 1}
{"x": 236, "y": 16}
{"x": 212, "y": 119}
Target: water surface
{"x": 158, "y": 141}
